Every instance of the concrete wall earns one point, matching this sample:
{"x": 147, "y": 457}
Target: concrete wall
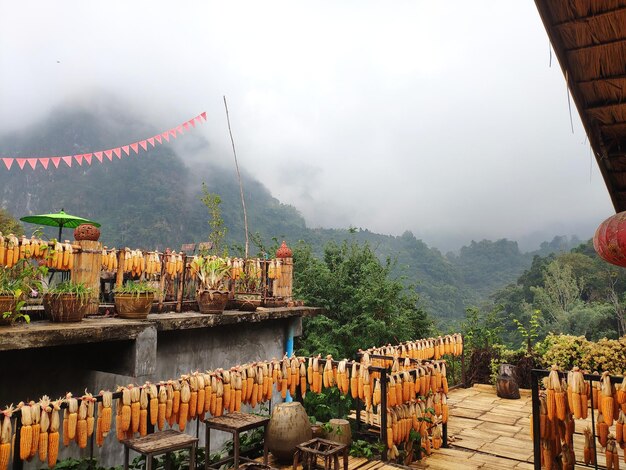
{"x": 55, "y": 370}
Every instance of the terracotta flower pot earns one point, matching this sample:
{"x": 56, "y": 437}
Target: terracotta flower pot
{"x": 7, "y": 304}
{"x": 64, "y": 308}
{"x": 212, "y": 301}
{"x": 134, "y": 306}
{"x": 289, "y": 426}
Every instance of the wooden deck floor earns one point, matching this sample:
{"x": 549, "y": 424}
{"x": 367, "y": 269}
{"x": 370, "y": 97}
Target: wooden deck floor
{"x": 485, "y": 432}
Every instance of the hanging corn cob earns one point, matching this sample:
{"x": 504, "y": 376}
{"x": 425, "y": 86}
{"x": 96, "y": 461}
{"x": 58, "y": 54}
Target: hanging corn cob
{"x": 607, "y": 400}
{"x": 185, "y": 396}
{"x": 612, "y": 457}
{"x": 35, "y": 412}
{"x": 144, "y": 401}
{"x": 26, "y": 432}
{"x": 589, "y": 456}
{"x": 135, "y": 408}
{"x": 81, "y": 425}
{"x": 53, "y": 434}
{"x": 44, "y": 425}
{"x": 5, "y": 438}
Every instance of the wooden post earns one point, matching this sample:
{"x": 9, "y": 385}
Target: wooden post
{"x": 287, "y": 278}
{"x": 119, "y": 276}
{"x": 87, "y": 266}
{"x": 181, "y": 286}
{"x": 162, "y": 284}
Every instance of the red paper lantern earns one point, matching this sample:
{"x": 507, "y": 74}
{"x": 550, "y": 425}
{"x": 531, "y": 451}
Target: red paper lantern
{"x": 609, "y": 240}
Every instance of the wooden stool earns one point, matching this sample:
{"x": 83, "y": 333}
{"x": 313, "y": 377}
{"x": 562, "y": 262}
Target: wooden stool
{"x": 161, "y": 443}
{"x": 235, "y": 423}
{"x": 308, "y": 452}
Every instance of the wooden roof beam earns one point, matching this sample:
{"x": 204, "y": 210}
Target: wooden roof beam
{"x": 582, "y": 19}
{"x": 592, "y": 46}
{"x": 608, "y": 105}
{"x": 620, "y": 76}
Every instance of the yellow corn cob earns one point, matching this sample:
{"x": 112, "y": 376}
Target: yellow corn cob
{"x": 81, "y": 425}
{"x": 26, "y": 433}
{"x": 135, "y": 408}
{"x": 161, "y": 406}
{"x": 125, "y": 411}
{"x": 144, "y": 401}
{"x": 607, "y": 401}
{"x": 5, "y": 438}
{"x": 185, "y": 396}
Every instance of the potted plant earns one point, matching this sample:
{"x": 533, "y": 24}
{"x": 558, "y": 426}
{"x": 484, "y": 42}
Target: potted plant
{"x": 18, "y": 282}
{"x": 247, "y": 286}
{"x": 211, "y": 293}
{"x": 133, "y": 300}
{"x": 67, "y": 301}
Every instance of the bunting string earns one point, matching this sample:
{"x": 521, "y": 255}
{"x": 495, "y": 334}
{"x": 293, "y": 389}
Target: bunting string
{"x": 100, "y": 155}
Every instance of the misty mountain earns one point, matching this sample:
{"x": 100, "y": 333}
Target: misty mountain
{"x": 151, "y": 201}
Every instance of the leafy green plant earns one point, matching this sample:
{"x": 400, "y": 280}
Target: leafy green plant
{"x": 531, "y": 333}
{"x": 22, "y": 280}
{"x": 82, "y": 464}
{"x": 212, "y": 272}
{"x": 327, "y": 405}
{"x": 369, "y": 450}
{"x": 218, "y": 230}
{"x": 79, "y": 289}
{"x": 136, "y": 288}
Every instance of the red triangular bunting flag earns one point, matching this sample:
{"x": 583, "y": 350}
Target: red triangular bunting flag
{"x": 199, "y": 120}
{"x": 109, "y": 154}
{"x": 173, "y": 132}
{"x": 203, "y": 115}
{"x": 117, "y": 152}
{"x": 186, "y": 126}
{"x": 8, "y": 162}
{"x": 32, "y": 162}
{"x": 144, "y": 145}
{"x": 179, "y": 129}
{"x": 126, "y": 149}
{"x": 166, "y": 135}
{"x": 79, "y": 159}
{"x": 158, "y": 138}
{"x": 151, "y": 141}
{"x": 135, "y": 147}
{"x": 67, "y": 160}
{"x": 192, "y": 122}
{"x": 56, "y": 161}
{"x": 98, "y": 155}
{"x": 44, "y": 162}
{"x": 21, "y": 162}
{"x": 88, "y": 158}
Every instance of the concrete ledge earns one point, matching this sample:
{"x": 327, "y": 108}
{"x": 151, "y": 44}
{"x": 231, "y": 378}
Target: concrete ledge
{"x": 95, "y": 330}
{"x": 190, "y": 320}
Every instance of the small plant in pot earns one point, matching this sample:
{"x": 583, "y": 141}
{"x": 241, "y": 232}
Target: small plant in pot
{"x": 212, "y": 273}
{"x": 133, "y": 300}
{"x": 17, "y": 283}
{"x": 67, "y": 301}
{"x": 247, "y": 286}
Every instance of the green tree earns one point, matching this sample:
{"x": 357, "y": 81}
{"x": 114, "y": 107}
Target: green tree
{"x": 218, "y": 230}
{"x": 8, "y": 224}
{"x": 363, "y": 305}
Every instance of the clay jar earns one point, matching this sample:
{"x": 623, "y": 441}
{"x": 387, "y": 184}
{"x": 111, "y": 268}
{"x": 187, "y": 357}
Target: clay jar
{"x": 340, "y": 431}
{"x": 87, "y": 232}
{"x": 289, "y": 426}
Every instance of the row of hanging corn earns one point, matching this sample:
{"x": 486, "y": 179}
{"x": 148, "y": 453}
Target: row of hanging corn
{"x": 563, "y": 401}
{"x": 55, "y": 255}
{"x": 138, "y": 262}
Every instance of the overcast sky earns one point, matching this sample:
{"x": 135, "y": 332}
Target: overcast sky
{"x": 443, "y": 118}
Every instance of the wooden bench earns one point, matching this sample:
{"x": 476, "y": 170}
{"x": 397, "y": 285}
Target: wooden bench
{"x": 161, "y": 443}
{"x": 234, "y": 423}
{"x": 329, "y": 451}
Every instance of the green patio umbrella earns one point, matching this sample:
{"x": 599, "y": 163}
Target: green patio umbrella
{"x": 59, "y": 219}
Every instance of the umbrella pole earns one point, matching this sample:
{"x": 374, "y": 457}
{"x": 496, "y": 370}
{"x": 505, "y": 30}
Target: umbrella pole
{"x": 60, "y": 230}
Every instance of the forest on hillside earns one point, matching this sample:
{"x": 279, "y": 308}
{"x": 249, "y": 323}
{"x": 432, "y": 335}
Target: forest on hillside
{"x": 152, "y": 201}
